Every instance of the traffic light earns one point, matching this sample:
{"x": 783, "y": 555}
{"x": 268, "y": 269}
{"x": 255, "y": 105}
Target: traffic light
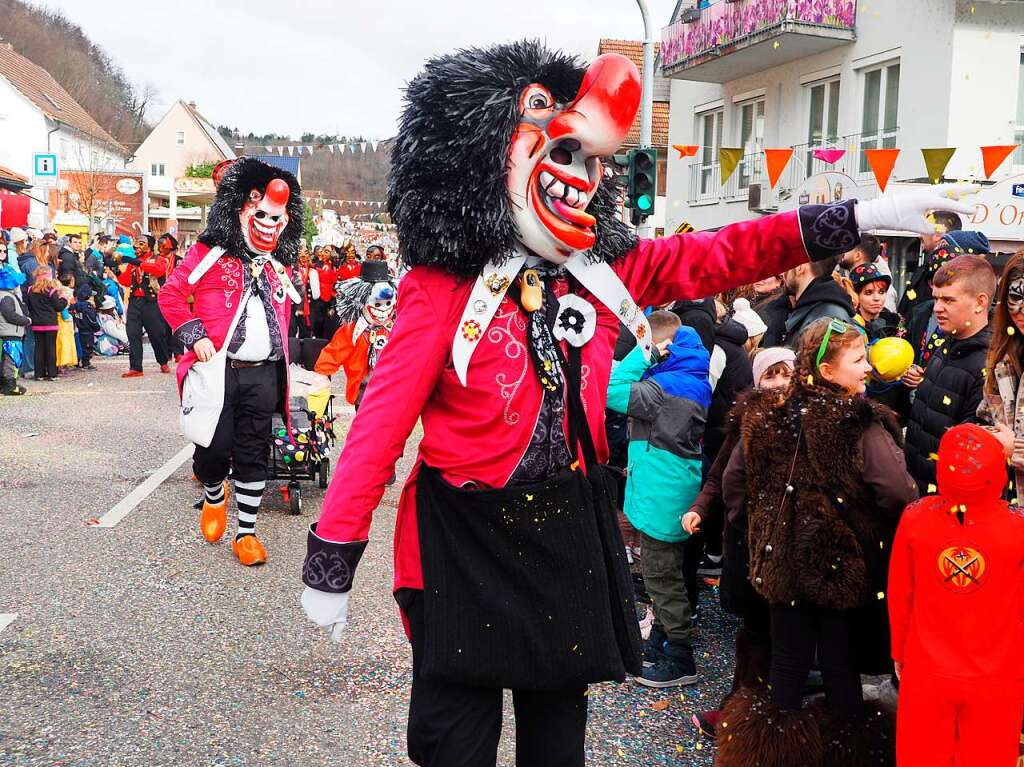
{"x": 643, "y": 182}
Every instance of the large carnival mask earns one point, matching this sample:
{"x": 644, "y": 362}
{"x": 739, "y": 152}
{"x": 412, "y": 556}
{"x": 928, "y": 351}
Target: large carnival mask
{"x": 264, "y": 216}
{"x": 380, "y": 304}
{"x": 555, "y": 157}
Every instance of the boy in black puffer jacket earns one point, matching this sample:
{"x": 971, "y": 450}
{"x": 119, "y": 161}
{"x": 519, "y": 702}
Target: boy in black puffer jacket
{"x": 951, "y": 387}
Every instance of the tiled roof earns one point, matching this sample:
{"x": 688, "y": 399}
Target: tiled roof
{"x": 659, "y": 127}
{"x": 634, "y": 49}
{"x": 211, "y": 133}
{"x": 39, "y": 87}
{"x": 6, "y": 174}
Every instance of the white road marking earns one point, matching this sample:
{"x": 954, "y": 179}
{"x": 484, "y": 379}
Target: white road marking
{"x": 80, "y": 392}
{"x": 139, "y": 494}
{"x": 6, "y": 619}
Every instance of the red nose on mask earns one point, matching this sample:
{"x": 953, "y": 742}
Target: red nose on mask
{"x": 605, "y": 106}
{"x": 276, "y": 196}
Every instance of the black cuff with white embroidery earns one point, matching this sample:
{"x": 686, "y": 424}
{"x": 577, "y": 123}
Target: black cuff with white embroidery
{"x": 330, "y": 566}
{"x": 190, "y": 332}
{"x": 828, "y": 230}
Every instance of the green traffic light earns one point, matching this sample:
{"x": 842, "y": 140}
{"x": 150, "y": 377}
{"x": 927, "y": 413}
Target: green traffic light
{"x": 644, "y": 202}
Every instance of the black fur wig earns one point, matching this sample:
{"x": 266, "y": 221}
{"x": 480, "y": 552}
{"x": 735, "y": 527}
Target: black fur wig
{"x": 447, "y": 192}
{"x": 222, "y": 225}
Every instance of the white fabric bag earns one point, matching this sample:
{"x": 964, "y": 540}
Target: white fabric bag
{"x": 202, "y": 391}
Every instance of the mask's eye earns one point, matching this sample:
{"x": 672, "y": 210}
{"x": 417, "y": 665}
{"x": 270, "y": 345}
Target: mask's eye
{"x": 536, "y": 98}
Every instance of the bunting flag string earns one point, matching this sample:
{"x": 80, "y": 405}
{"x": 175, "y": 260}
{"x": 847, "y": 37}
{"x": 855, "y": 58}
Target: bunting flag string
{"x": 936, "y": 160}
{"x": 830, "y": 156}
{"x": 686, "y": 150}
{"x": 729, "y": 158}
{"x": 882, "y": 162}
{"x": 776, "y": 160}
{"x": 994, "y": 156}
{"x": 355, "y": 147}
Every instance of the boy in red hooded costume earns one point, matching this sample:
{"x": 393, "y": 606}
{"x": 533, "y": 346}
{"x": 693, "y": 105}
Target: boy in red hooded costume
{"x": 956, "y": 602}
{"x": 509, "y": 567}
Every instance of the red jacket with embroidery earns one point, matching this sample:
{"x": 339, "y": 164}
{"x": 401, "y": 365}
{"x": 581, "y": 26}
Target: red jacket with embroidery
{"x": 136, "y": 275}
{"x": 956, "y": 589}
{"x": 479, "y": 432}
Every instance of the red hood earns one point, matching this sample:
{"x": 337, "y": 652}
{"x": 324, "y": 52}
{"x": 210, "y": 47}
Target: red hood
{"x": 971, "y": 465}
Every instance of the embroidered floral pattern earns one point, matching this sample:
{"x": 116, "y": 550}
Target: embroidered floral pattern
{"x": 503, "y": 330}
{"x": 190, "y": 332}
{"x": 828, "y": 229}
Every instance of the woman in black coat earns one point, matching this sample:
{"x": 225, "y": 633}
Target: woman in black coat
{"x": 45, "y": 302}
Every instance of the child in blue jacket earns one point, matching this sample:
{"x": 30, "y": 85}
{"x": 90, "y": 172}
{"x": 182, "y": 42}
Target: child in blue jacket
{"x": 666, "y": 400}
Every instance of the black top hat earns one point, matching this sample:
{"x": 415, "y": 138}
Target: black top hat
{"x": 375, "y": 271}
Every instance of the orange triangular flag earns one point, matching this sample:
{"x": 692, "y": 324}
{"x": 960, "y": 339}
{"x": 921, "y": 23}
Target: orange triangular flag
{"x": 729, "y": 157}
{"x": 935, "y": 162}
{"x": 994, "y": 156}
{"x": 776, "y": 160}
{"x": 686, "y": 150}
{"x": 882, "y": 161}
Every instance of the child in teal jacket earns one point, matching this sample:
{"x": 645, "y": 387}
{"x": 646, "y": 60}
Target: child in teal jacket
{"x": 666, "y": 400}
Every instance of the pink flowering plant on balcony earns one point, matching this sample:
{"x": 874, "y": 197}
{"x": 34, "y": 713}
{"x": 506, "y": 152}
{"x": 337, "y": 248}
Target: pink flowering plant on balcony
{"x": 725, "y": 23}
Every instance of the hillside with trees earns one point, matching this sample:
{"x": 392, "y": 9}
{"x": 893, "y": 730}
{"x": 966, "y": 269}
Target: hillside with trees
{"x": 47, "y": 38}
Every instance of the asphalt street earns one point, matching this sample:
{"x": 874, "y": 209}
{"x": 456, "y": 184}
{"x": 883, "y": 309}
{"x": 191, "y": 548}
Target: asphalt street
{"x": 142, "y": 645}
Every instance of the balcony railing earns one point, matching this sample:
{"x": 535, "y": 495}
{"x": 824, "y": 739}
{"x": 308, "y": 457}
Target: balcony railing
{"x": 727, "y": 26}
{"x": 705, "y": 178}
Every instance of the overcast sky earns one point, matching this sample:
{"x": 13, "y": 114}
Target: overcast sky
{"x": 324, "y": 66}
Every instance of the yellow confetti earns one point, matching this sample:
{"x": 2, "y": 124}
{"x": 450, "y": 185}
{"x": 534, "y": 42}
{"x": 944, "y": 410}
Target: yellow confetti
{"x": 931, "y": 488}
{"x": 946, "y": 400}
{"x": 776, "y": 45}
{"x": 839, "y": 498}
{"x": 724, "y": 725}
{"x": 1011, "y": 330}
{"x": 621, "y": 752}
{"x": 810, "y": 380}
{"x": 881, "y": 595}
{"x": 699, "y": 746}
{"x": 912, "y": 294}
{"x": 679, "y": 749}
{"x": 933, "y": 456}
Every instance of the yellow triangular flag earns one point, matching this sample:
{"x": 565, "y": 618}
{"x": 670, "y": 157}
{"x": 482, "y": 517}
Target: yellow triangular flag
{"x": 729, "y": 158}
{"x": 936, "y": 160}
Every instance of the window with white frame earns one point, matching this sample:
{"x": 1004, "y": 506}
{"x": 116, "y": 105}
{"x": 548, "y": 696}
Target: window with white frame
{"x": 751, "y": 125}
{"x": 881, "y": 108}
{"x": 158, "y": 169}
{"x": 709, "y": 128}
{"x": 823, "y": 119}
{"x": 179, "y": 138}
{"x": 1018, "y": 138}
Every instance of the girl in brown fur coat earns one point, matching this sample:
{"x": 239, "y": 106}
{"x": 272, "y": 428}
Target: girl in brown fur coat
{"x": 821, "y": 478}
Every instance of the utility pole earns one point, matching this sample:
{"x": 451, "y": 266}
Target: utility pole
{"x": 647, "y": 98}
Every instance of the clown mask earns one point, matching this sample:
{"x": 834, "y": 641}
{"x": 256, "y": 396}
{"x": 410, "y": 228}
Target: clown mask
{"x": 264, "y": 216}
{"x": 554, "y": 166}
{"x": 380, "y": 305}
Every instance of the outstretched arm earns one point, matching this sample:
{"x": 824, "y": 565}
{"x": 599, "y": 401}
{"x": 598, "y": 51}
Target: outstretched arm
{"x": 690, "y": 266}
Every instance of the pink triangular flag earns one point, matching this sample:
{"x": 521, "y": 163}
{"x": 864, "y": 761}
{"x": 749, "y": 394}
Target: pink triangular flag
{"x": 830, "y": 156}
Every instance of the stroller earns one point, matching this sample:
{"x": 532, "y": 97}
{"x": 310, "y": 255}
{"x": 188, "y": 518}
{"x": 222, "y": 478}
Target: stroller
{"x": 303, "y": 452}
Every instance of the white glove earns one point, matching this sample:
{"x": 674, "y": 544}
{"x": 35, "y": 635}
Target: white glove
{"x": 908, "y": 212}
{"x": 328, "y": 611}
{"x": 319, "y": 382}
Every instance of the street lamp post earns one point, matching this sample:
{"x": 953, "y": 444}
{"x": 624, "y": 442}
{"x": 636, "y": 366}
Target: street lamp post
{"x": 647, "y": 98}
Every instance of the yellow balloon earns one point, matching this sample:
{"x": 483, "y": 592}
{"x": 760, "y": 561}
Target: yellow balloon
{"x": 891, "y": 358}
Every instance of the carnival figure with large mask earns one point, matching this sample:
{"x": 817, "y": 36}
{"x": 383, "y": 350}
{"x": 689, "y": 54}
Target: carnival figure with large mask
{"x": 366, "y": 308}
{"x": 509, "y": 566}
{"x": 234, "y": 375}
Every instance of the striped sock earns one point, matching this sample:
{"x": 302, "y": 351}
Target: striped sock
{"x": 214, "y": 493}
{"x": 248, "y": 496}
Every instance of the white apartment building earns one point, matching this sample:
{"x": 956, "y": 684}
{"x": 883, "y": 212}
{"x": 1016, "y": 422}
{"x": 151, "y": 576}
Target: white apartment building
{"x": 835, "y": 74}
{"x": 38, "y": 116}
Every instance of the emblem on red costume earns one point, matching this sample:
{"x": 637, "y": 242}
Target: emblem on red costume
{"x": 496, "y": 283}
{"x": 962, "y": 568}
{"x": 471, "y": 330}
